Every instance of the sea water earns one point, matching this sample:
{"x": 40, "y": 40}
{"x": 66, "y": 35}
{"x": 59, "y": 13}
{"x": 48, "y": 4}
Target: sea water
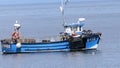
{"x": 42, "y": 19}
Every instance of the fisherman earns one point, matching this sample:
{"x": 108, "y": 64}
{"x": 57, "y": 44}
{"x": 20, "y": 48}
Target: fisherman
{"x": 65, "y": 36}
{"x": 16, "y": 33}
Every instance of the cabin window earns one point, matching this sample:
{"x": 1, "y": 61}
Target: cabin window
{"x": 74, "y": 29}
{"x": 79, "y": 28}
{"x": 68, "y": 29}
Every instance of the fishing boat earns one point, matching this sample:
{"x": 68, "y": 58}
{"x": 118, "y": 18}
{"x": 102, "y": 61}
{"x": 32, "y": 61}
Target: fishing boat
{"x": 73, "y": 38}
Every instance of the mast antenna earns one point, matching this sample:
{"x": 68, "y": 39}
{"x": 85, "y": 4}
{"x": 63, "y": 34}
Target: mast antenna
{"x": 63, "y": 3}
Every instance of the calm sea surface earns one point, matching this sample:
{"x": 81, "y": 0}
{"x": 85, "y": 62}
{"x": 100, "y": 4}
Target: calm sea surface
{"x": 42, "y": 20}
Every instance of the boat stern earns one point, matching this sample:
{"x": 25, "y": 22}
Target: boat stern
{"x": 7, "y": 47}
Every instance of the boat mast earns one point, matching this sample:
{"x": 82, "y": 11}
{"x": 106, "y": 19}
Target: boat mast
{"x": 63, "y": 3}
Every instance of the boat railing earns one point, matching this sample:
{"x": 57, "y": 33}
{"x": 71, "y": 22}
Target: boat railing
{"x": 33, "y": 39}
{"x": 48, "y": 39}
{"x": 43, "y": 39}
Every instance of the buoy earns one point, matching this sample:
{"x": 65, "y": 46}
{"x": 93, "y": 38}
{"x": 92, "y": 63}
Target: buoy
{"x": 18, "y": 45}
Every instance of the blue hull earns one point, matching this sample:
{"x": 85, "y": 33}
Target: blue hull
{"x": 92, "y": 44}
{"x": 56, "y": 46}
{"x": 35, "y": 47}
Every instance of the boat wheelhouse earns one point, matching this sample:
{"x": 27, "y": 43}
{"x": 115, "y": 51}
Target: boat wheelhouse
{"x": 75, "y": 28}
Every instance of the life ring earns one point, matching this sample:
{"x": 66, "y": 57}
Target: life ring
{"x": 15, "y": 35}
